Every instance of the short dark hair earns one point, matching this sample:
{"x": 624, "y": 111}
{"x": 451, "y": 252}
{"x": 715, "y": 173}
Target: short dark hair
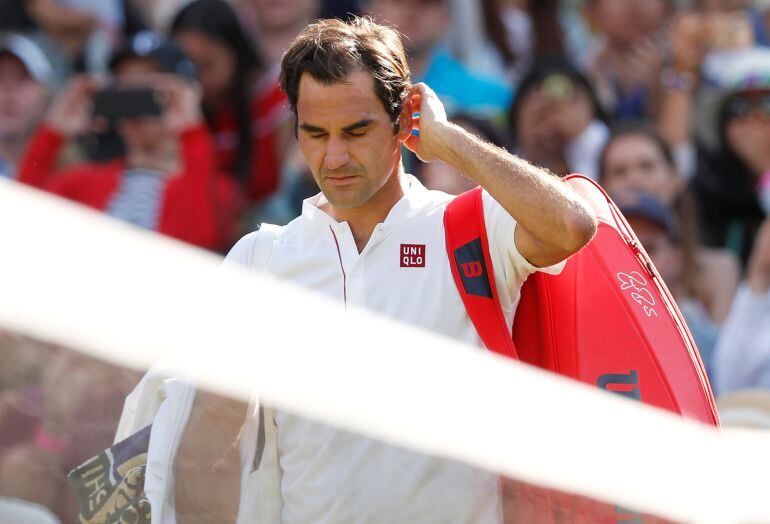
{"x": 329, "y": 50}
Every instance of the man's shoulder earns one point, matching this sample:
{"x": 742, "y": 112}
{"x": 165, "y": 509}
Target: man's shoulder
{"x": 253, "y": 250}
{"x": 427, "y": 201}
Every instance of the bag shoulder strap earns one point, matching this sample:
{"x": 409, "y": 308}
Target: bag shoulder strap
{"x": 468, "y": 251}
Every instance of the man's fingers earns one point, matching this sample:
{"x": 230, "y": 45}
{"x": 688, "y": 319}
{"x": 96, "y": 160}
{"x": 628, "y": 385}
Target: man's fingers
{"x": 412, "y": 142}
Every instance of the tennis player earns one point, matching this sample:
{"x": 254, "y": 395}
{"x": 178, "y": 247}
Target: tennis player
{"x": 374, "y": 238}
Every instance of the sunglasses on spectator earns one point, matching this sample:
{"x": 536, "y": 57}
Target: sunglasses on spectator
{"x": 742, "y": 105}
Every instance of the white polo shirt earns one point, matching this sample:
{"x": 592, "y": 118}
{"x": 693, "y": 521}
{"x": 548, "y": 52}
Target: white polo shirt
{"x": 332, "y": 476}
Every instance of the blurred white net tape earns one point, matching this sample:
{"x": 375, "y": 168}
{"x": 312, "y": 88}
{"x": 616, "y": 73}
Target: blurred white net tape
{"x": 71, "y": 276}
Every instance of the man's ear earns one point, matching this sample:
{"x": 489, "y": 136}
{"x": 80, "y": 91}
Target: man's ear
{"x": 404, "y": 123}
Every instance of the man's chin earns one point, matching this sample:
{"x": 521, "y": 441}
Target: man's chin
{"x": 342, "y": 199}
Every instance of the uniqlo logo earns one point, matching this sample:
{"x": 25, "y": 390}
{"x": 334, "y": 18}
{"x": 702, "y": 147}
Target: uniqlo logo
{"x": 412, "y": 255}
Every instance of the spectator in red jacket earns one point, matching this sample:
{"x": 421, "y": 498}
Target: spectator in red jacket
{"x": 167, "y": 180}
{"x": 244, "y": 106}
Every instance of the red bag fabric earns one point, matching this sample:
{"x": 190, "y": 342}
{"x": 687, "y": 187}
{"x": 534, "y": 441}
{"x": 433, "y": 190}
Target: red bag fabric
{"x": 607, "y": 320}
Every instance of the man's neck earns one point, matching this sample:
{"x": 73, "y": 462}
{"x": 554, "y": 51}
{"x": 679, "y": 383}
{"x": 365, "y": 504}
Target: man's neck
{"x": 363, "y": 219}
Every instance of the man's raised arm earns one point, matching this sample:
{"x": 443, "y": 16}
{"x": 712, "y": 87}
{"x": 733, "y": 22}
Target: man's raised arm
{"x": 554, "y": 221}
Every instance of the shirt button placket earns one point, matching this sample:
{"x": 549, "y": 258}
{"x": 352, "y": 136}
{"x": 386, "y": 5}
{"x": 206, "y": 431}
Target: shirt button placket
{"x": 356, "y": 285}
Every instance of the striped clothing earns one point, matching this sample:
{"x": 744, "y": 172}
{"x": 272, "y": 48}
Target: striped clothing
{"x": 138, "y": 198}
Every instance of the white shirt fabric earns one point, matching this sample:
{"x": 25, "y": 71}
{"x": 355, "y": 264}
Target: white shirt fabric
{"x": 332, "y": 476}
{"x": 742, "y": 354}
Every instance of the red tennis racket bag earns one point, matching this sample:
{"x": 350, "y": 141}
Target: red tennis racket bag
{"x": 607, "y": 320}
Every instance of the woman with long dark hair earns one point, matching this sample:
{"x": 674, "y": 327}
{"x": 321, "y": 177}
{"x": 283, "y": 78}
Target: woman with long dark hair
{"x": 237, "y": 103}
{"x": 730, "y": 181}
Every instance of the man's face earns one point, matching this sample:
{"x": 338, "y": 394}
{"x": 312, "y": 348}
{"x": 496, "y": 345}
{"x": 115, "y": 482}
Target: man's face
{"x": 347, "y": 138}
{"x": 22, "y": 98}
{"x": 422, "y": 22}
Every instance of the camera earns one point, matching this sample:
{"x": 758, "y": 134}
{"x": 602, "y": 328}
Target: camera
{"x": 117, "y": 103}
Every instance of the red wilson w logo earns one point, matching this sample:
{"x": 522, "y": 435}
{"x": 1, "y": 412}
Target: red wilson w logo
{"x": 472, "y": 269}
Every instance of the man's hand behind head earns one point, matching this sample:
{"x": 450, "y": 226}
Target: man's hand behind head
{"x": 429, "y": 119}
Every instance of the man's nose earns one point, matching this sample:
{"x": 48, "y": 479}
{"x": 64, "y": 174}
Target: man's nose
{"x": 336, "y": 154}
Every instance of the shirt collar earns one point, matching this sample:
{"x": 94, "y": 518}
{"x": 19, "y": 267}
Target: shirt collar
{"x": 406, "y": 207}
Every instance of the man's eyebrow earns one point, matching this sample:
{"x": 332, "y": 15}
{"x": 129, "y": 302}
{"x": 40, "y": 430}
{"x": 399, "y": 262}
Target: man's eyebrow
{"x": 312, "y": 129}
{"x": 347, "y": 129}
{"x": 358, "y": 125}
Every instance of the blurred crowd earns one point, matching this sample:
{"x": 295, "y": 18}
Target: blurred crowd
{"x": 167, "y": 114}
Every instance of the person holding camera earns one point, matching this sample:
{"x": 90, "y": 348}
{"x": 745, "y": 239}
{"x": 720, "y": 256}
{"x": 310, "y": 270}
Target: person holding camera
{"x": 166, "y": 180}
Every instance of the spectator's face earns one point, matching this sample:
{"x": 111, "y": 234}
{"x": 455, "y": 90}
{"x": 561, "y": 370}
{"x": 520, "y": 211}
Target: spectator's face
{"x": 22, "y": 98}
{"x": 748, "y": 128}
{"x": 653, "y": 13}
{"x": 535, "y": 133}
{"x": 666, "y": 255}
{"x": 347, "y": 138}
{"x": 144, "y": 132}
{"x": 422, "y": 22}
{"x": 636, "y": 163}
{"x": 135, "y": 70}
{"x": 279, "y": 15}
{"x": 216, "y": 64}
{"x": 623, "y": 21}
{"x": 550, "y": 116}
{"x": 69, "y": 26}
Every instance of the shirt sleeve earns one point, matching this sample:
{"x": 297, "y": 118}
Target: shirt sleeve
{"x": 510, "y": 266}
{"x": 254, "y": 250}
{"x": 742, "y": 354}
{"x": 241, "y": 253}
